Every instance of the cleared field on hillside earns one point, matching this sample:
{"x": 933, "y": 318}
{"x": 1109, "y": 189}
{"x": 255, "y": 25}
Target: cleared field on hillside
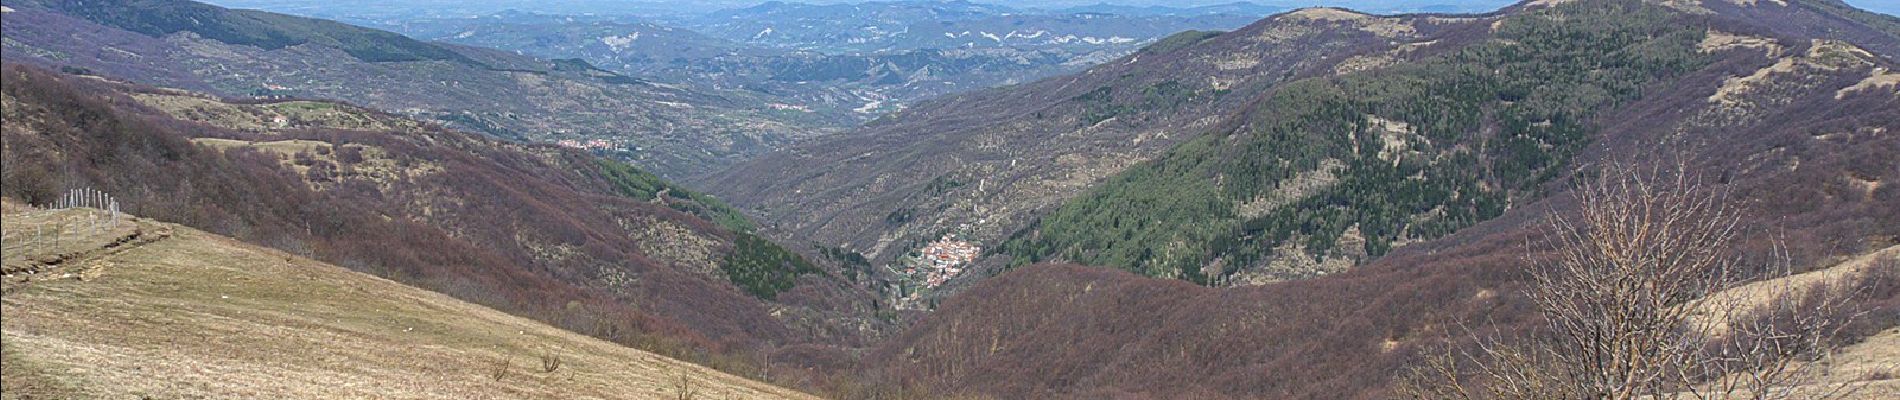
{"x": 171, "y": 312}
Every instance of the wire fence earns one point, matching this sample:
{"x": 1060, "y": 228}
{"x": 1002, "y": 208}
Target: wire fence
{"x": 76, "y": 215}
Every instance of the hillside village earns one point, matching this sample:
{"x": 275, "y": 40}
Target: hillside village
{"x": 940, "y": 261}
{"x": 872, "y": 202}
{"x": 590, "y": 144}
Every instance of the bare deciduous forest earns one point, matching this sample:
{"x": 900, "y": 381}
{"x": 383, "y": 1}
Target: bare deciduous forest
{"x": 1582, "y": 199}
{"x": 65, "y": 131}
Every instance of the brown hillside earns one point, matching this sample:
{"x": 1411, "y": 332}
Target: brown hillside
{"x": 532, "y": 230}
{"x": 156, "y": 310}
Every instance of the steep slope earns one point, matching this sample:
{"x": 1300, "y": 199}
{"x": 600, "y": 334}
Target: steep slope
{"x": 1327, "y": 173}
{"x": 1800, "y": 131}
{"x": 179, "y": 43}
{"x": 580, "y": 242}
{"x": 993, "y": 160}
{"x": 987, "y": 165}
{"x": 157, "y": 310}
{"x": 1403, "y": 152}
{"x": 1098, "y": 333}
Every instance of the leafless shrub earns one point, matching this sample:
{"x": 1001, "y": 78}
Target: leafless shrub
{"x": 685, "y": 388}
{"x": 350, "y": 155}
{"x": 499, "y": 368}
{"x": 304, "y": 158}
{"x": 550, "y": 362}
{"x": 1644, "y": 299}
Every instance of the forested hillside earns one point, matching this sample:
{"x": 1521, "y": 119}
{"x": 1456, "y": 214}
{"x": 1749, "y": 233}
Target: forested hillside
{"x": 1441, "y": 180}
{"x": 985, "y": 164}
{"x": 1345, "y": 167}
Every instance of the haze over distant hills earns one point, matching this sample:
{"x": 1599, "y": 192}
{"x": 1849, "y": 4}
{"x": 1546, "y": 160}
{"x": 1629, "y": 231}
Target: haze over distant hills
{"x": 347, "y": 8}
{"x": 851, "y": 61}
{"x": 365, "y": 8}
{"x": 921, "y": 200}
{"x": 672, "y": 129}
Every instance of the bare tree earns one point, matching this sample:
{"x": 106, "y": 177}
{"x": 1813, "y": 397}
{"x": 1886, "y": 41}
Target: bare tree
{"x": 685, "y": 388}
{"x": 1644, "y": 297}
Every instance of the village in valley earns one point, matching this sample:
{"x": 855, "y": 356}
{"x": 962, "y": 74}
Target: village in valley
{"x": 938, "y": 262}
{"x": 591, "y": 144}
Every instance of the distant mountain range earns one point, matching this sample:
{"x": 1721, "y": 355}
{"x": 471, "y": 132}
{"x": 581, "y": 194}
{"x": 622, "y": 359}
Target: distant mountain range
{"x": 1236, "y": 8}
{"x": 673, "y": 129}
{"x": 851, "y": 60}
{"x": 1298, "y": 206}
{"x": 897, "y": 26}
{"x": 729, "y": 84}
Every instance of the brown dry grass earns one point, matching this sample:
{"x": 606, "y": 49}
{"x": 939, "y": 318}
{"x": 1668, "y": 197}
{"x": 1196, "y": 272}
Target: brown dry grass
{"x": 201, "y": 316}
{"x": 1874, "y": 361}
{"x": 1761, "y": 293}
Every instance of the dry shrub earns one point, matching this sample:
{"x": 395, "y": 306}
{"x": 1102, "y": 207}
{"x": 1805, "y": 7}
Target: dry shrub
{"x": 499, "y": 368}
{"x": 685, "y": 388}
{"x": 1645, "y": 298}
{"x": 550, "y": 362}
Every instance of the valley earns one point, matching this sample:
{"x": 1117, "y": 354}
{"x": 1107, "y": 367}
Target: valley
{"x": 950, "y": 199}
{"x": 1216, "y": 171}
{"x": 834, "y": 62}
{"x": 575, "y": 241}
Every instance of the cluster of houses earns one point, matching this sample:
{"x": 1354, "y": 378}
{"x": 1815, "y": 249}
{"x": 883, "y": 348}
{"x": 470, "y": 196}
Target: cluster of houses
{"x": 941, "y": 260}
{"x": 592, "y": 144}
{"x": 789, "y": 107}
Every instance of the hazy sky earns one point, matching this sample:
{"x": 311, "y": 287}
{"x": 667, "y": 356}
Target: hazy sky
{"x": 1890, "y": 7}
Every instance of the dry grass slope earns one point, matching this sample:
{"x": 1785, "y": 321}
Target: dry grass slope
{"x": 186, "y": 314}
{"x": 1873, "y": 364}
